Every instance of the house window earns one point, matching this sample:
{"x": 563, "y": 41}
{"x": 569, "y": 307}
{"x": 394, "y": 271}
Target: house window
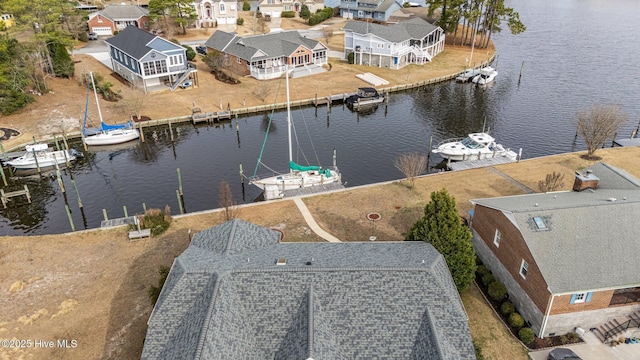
{"x": 578, "y": 298}
{"x": 222, "y": 9}
{"x": 380, "y": 46}
{"x": 496, "y": 238}
{"x": 524, "y": 268}
{"x": 540, "y": 223}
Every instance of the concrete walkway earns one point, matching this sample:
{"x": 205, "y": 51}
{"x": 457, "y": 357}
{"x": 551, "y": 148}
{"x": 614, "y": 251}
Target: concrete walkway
{"x": 593, "y": 349}
{"x": 312, "y": 222}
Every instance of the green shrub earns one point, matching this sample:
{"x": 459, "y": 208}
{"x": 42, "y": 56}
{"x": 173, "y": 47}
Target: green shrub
{"x": 481, "y": 270}
{"x": 83, "y": 36}
{"x": 154, "y": 291}
{"x": 154, "y": 219}
{"x": 478, "y": 350}
{"x": 515, "y": 320}
{"x": 288, "y": 14}
{"x": 351, "y": 58}
{"x": 240, "y": 21}
{"x": 478, "y": 261}
{"x": 526, "y": 335}
{"x": 507, "y": 308}
{"x": 487, "y": 279}
{"x": 191, "y": 54}
{"x": 573, "y": 337}
{"x": 245, "y": 6}
{"x": 497, "y": 291}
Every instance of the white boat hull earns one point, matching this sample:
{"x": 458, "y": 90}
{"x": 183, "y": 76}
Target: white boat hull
{"x": 275, "y": 186}
{"x": 45, "y": 159}
{"x": 477, "y": 155}
{"x": 476, "y": 146}
{"x": 112, "y": 137}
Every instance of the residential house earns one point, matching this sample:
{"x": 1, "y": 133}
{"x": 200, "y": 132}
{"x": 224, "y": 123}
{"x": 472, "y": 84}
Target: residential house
{"x": 274, "y": 8}
{"x": 569, "y": 259}
{"x": 237, "y": 292}
{"x": 214, "y": 12}
{"x": 379, "y": 10}
{"x": 6, "y": 20}
{"x": 116, "y": 18}
{"x": 268, "y": 56}
{"x": 414, "y": 41}
{"x": 149, "y": 61}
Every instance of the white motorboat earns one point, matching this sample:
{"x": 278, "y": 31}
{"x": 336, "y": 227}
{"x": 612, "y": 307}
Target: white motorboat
{"x": 298, "y": 176}
{"x": 106, "y": 134}
{"x": 487, "y": 75}
{"x": 476, "y": 146}
{"x": 468, "y": 75}
{"x": 39, "y": 156}
{"x": 364, "y": 97}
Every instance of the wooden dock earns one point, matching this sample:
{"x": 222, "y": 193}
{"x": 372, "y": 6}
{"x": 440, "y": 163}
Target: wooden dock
{"x": 473, "y": 164}
{"x": 6, "y": 196}
{"x": 313, "y": 189}
{"x": 118, "y": 222}
{"x": 209, "y": 117}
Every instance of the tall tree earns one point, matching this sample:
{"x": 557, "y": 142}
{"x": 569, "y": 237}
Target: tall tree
{"x": 599, "y": 124}
{"x": 442, "y": 228}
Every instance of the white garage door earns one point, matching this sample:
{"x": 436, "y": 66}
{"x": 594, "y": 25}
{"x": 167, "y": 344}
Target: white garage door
{"x": 101, "y": 31}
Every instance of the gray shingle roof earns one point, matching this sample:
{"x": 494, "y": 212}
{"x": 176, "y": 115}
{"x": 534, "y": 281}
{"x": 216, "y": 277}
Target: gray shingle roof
{"x": 591, "y": 241}
{"x": 384, "y": 300}
{"x": 274, "y": 45}
{"x": 415, "y": 28}
{"x": 137, "y": 42}
{"x": 123, "y": 12}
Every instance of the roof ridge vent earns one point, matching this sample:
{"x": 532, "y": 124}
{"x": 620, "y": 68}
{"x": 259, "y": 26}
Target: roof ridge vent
{"x": 612, "y": 199}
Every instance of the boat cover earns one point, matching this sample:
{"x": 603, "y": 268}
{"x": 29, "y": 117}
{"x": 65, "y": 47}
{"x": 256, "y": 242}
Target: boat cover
{"x": 295, "y": 167}
{"x": 107, "y": 127}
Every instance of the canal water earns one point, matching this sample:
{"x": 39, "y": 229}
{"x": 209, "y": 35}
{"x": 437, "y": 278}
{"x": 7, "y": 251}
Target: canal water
{"x": 576, "y": 53}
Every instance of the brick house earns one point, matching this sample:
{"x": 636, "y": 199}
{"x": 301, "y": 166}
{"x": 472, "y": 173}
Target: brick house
{"x": 237, "y": 292}
{"x": 569, "y": 259}
{"x": 268, "y": 56}
{"x": 115, "y": 18}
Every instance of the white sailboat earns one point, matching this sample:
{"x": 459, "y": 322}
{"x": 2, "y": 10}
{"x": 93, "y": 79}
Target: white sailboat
{"x": 298, "y": 176}
{"x": 107, "y": 134}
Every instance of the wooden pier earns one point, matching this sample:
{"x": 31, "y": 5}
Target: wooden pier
{"x": 6, "y": 196}
{"x": 473, "y": 164}
{"x": 209, "y": 117}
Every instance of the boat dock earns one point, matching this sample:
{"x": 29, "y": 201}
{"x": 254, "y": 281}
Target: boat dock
{"x": 6, "y": 196}
{"x": 465, "y": 165}
{"x": 197, "y": 116}
{"x": 307, "y": 190}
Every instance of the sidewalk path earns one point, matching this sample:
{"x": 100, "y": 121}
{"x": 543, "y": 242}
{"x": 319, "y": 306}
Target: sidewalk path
{"x": 312, "y": 222}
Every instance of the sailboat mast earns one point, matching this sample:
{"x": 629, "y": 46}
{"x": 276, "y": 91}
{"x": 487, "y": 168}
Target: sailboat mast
{"x": 96, "y": 95}
{"x": 288, "y": 115}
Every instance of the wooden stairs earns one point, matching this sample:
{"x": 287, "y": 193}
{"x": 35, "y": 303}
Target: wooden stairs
{"x": 610, "y": 330}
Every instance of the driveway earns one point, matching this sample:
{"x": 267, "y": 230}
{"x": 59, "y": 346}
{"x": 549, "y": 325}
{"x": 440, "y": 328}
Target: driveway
{"x": 593, "y": 349}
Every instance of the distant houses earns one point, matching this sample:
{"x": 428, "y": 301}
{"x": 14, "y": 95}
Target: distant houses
{"x": 212, "y": 13}
{"x": 414, "y": 41}
{"x": 237, "y": 292}
{"x": 379, "y": 10}
{"x": 268, "y": 56}
{"x": 569, "y": 259}
{"x": 114, "y": 18}
{"x": 148, "y": 61}
{"x": 274, "y": 8}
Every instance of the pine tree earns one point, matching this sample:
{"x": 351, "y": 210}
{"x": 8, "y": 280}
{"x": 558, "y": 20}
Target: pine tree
{"x": 442, "y": 228}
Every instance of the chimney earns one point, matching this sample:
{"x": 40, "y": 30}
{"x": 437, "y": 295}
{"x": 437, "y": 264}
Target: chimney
{"x": 585, "y": 181}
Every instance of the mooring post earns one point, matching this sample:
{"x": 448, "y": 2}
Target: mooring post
{"x": 519, "y": 155}
{"x": 35, "y": 157}
{"x": 64, "y": 139}
{"x": 141, "y": 132}
{"x": 521, "y": 67}
{"x": 104, "y": 214}
{"x": 55, "y": 139}
{"x": 26, "y": 192}
{"x": 335, "y": 157}
{"x": 60, "y": 183}
{"x": 241, "y": 174}
{"x": 84, "y": 144}
{"x": 4, "y": 178}
{"x": 124, "y": 208}
{"x": 180, "y": 202}
{"x": 73, "y": 182}
{"x": 4, "y": 154}
{"x": 179, "y": 182}
{"x": 170, "y": 131}
{"x": 144, "y": 207}
{"x": 429, "y": 151}
{"x": 73, "y": 228}
{"x": 34, "y": 140}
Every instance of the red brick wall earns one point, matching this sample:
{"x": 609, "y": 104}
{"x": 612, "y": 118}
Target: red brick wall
{"x": 95, "y": 22}
{"x": 511, "y": 251}
{"x": 599, "y": 300}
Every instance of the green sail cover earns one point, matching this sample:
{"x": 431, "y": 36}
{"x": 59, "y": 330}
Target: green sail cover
{"x": 295, "y": 167}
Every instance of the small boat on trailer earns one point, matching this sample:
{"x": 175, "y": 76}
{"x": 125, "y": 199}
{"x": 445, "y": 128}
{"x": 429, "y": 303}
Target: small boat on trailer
{"x": 364, "y": 97}
{"x": 476, "y": 146}
{"x": 39, "y": 156}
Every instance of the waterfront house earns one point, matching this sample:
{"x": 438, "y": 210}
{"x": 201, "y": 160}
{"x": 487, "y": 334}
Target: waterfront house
{"x": 116, "y": 18}
{"x": 237, "y": 292}
{"x": 379, "y": 10}
{"x": 214, "y": 12}
{"x": 149, "y": 61}
{"x": 267, "y": 56}
{"x": 414, "y": 41}
{"x": 274, "y": 8}
{"x": 569, "y": 259}
{"x": 6, "y": 20}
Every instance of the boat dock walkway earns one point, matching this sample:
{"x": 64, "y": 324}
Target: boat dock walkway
{"x": 464, "y": 165}
{"x": 313, "y": 190}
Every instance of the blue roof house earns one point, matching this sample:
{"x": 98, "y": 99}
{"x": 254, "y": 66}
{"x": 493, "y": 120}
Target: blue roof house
{"x": 149, "y": 61}
{"x": 237, "y": 292}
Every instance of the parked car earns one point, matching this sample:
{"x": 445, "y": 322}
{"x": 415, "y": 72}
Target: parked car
{"x": 93, "y": 36}
{"x": 563, "y": 354}
{"x": 201, "y": 50}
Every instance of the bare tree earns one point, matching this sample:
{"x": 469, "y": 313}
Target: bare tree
{"x": 226, "y": 201}
{"x": 411, "y": 165}
{"x": 133, "y": 103}
{"x": 599, "y": 124}
{"x": 262, "y": 92}
{"x": 552, "y": 182}
{"x": 328, "y": 34}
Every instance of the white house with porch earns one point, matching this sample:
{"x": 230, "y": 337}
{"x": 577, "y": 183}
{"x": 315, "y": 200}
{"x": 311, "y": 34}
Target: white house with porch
{"x": 414, "y": 41}
{"x": 268, "y": 56}
{"x": 215, "y": 12}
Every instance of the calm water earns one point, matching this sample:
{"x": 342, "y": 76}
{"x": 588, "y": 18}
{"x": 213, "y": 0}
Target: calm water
{"x": 576, "y": 53}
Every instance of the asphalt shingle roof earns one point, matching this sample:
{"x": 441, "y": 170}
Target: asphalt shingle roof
{"x": 123, "y": 12}
{"x": 137, "y": 42}
{"x": 415, "y": 28}
{"x": 271, "y": 45}
{"x": 590, "y": 242}
{"x": 226, "y": 298}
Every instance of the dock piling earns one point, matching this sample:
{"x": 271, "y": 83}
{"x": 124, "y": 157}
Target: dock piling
{"x": 179, "y": 182}
{"x": 73, "y": 228}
